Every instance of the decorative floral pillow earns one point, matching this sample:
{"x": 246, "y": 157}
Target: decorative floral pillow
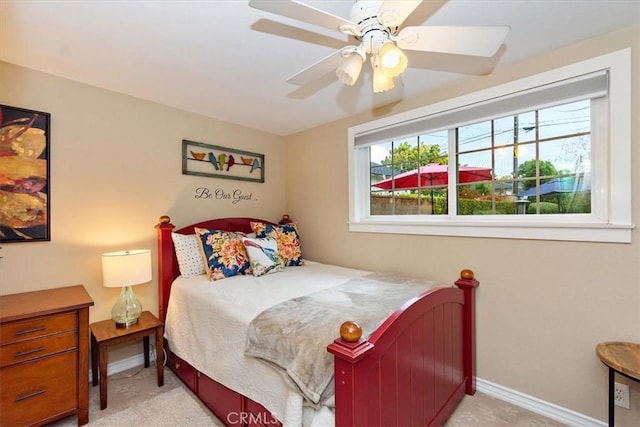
{"x": 223, "y": 253}
{"x": 287, "y": 237}
{"x": 187, "y": 249}
{"x": 263, "y": 255}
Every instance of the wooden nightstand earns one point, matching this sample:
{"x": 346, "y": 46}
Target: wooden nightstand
{"x": 105, "y": 333}
{"x": 44, "y": 356}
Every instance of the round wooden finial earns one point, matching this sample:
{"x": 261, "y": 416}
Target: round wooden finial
{"x": 467, "y": 274}
{"x": 164, "y": 219}
{"x": 285, "y": 220}
{"x": 350, "y": 331}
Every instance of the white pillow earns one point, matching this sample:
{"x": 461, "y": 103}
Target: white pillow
{"x": 263, "y": 255}
{"x": 188, "y": 254}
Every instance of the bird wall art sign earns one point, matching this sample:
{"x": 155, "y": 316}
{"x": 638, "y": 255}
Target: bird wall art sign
{"x": 221, "y": 162}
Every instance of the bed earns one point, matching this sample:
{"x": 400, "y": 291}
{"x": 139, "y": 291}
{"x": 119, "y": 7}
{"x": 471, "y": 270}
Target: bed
{"x": 413, "y": 368}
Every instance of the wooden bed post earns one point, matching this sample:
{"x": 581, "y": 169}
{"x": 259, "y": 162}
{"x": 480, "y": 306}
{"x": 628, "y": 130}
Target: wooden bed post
{"x": 165, "y": 263}
{"x": 468, "y": 284}
{"x": 348, "y": 350}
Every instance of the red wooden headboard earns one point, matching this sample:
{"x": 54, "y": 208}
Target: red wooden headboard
{"x": 167, "y": 262}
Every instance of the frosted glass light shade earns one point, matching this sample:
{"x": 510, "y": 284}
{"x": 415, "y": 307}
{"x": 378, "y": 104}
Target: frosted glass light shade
{"x": 124, "y": 269}
{"x": 350, "y": 68}
{"x": 393, "y": 60}
{"x": 381, "y": 81}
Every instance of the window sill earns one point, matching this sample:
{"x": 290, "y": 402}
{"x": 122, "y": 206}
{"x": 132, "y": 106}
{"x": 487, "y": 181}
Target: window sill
{"x": 584, "y": 232}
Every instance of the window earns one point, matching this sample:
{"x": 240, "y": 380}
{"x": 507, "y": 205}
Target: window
{"x": 546, "y": 157}
{"x": 536, "y": 162}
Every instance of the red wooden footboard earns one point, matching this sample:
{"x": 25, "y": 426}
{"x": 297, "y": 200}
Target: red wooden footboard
{"x": 413, "y": 370}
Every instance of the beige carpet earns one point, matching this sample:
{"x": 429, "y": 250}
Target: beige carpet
{"x": 134, "y": 399}
{"x": 173, "y": 408}
{"x": 485, "y": 411}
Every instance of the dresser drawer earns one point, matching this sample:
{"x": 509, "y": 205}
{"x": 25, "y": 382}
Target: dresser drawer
{"x": 27, "y": 329}
{"x": 28, "y": 350}
{"x": 39, "y": 390}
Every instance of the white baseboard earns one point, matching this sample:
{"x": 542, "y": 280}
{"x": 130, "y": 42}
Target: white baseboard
{"x": 122, "y": 365}
{"x": 130, "y": 362}
{"x": 530, "y": 403}
{"x": 533, "y": 404}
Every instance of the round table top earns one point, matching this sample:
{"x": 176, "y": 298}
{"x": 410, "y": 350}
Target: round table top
{"x": 622, "y": 356}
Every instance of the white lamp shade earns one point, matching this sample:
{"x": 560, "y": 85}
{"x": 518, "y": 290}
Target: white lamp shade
{"x": 126, "y": 268}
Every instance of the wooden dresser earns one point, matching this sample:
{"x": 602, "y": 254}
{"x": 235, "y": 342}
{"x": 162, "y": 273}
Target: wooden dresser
{"x": 44, "y": 356}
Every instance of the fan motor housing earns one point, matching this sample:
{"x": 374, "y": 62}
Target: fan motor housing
{"x": 374, "y": 34}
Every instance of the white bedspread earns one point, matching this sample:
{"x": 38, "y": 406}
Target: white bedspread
{"x": 207, "y": 322}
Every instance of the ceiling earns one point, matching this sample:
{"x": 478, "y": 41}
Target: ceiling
{"x": 225, "y": 60}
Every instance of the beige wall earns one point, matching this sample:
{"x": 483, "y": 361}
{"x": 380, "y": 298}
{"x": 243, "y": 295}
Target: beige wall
{"x": 542, "y": 306}
{"x": 115, "y": 168}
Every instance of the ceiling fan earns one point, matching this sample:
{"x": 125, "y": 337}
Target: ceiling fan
{"x": 375, "y": 25}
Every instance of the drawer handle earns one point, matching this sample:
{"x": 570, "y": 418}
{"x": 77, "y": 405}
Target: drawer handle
{"x": 27, "y": 396}
{"x": 29, "y": 331}
{"x": 25, "y": 352}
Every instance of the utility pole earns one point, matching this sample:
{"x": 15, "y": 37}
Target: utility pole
{"x": 515, "y": 155}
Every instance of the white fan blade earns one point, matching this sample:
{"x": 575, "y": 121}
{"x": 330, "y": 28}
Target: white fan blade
{"x": 392, "y": 13}
{"x": 324, "y": 66}
{"x": 302, "y": 12}
{"x": 460, "y": 64}
{"x": 279, "y": 29}
{"x": 460, "y": 40}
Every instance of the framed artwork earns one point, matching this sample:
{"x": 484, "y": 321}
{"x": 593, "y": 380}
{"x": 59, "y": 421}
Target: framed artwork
{"x": 24, "y": 175}
{"x": 221, "y": 162}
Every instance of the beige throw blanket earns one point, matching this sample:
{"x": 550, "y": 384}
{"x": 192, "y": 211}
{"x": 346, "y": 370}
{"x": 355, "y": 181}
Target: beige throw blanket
{"x": 293, "y": 335}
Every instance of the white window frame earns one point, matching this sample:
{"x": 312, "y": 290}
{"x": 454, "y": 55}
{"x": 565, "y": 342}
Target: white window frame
{"x": 611, "y": 159}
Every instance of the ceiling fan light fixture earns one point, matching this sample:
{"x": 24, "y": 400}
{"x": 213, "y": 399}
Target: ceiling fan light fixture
{"x": 393, "y": 59}
{"x": 349, "y": 71}
{"x": 376, "y": 25}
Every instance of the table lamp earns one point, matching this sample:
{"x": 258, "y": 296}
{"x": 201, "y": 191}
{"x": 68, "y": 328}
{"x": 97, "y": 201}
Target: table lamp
{"x": 125, "y": 269}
